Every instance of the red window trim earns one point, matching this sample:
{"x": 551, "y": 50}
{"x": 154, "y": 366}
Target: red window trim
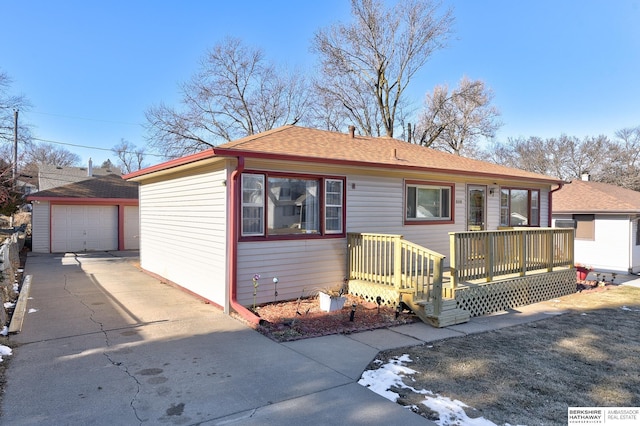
{"x": 529, "y": 191}
{"x": 452, "y": 202}
{"x": 323, "y": 233}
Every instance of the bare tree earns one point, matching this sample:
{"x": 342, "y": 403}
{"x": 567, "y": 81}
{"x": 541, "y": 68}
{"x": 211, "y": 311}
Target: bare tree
{"x": 455, "y": 121}
{"x": 566, "y": 157}
{"x": 130, "y": 157}
{"x": 45, "y": 153}
{"x": 235, "y": 93}
{"x": 623, "y": 167}
{"x": 9, "y": 103}
{"x": 10, "y": 198}
{"x": 368, "y": 63}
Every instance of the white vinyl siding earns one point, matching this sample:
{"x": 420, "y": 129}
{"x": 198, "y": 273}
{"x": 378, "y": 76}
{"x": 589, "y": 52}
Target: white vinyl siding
{"x": 183, "y": 231}
{"x": 131, "y": 228}
{"x": 40, "y": 230}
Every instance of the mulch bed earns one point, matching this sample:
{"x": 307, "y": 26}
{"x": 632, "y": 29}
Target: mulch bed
{"x": 301, "y": 319}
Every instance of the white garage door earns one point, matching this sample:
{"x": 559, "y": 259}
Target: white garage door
{"x": 84, "y": 228}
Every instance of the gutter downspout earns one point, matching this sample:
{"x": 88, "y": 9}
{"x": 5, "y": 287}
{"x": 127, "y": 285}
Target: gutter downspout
{"x": 233, "y": 253}
{"x": 550, "y": 212}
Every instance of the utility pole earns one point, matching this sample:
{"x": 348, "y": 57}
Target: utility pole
{"x": 15, "y": 146}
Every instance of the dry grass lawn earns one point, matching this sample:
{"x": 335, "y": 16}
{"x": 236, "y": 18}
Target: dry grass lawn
{"x": 530, "y": 374}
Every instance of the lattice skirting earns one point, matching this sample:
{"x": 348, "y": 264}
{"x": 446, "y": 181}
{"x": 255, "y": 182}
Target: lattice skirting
{"x": 502, "y": 295}
{"x": 370, "y": 291}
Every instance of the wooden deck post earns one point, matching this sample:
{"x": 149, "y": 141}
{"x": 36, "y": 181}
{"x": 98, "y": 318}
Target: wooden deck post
{"x": 452, "y": 259}
{"x": 397, "y": 262}
{"x": 489, "y": 256}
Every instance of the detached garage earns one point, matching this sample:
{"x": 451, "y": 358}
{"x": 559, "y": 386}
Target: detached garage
{"x": 97, "y": 214}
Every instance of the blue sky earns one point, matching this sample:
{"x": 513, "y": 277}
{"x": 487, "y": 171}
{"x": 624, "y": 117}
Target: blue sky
{"x": 92, "y": 68}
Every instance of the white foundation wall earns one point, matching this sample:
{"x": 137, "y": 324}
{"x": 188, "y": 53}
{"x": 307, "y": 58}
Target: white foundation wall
{"x": 183, "y": 232}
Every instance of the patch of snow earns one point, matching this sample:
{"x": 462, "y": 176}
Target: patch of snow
{"x": 32, "y": 310}
{"x": 5, "y": 331}
{"x": 626, "y": 308}
{"x": 390, "y": 375}
{"x": 9, "y": 305}
{"x": 4, "y": 351}
{"x": 451, "y": 413}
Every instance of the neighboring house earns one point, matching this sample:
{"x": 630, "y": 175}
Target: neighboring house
{"x": 99, "y": 213}
{"x": 605, "y": 218}
{"x": 280, "y": 204}
{"x": 50, "y": 176}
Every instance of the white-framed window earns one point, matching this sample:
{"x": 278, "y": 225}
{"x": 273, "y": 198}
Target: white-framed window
{"x": 291, "y": 206}
{"x": 252, "y": 204}
{"x": 519, "y": 207}
{"x": 426, "y": 202}
{"x": 333, "y": 212}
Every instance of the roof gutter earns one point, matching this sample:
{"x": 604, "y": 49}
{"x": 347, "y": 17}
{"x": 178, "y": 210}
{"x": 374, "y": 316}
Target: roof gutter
{"x": 225, "y": 152}
{"x": 232, "y": 267}
{"x": 550, "y": 212}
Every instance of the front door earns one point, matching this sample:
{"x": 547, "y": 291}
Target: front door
{"x": 476, "y": 207}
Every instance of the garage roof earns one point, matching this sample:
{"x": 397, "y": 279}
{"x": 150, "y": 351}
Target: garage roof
{"x": 109, "y": 186}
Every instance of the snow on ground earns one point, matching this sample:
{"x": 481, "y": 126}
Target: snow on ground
{"x": 388, "y": 375}
{"x": 4, "y": 351}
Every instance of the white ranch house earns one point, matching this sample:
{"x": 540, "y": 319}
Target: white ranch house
{"x": 294, "y": 202}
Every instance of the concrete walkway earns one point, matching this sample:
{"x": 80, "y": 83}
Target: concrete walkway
{"x": 104, "y": 343}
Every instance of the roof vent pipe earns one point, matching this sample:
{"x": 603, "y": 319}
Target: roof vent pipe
{"x": 352, "y": 131}
{"x": 90, "y": 169}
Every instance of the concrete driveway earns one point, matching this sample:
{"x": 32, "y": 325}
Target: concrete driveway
{"x": 105, "y": 343}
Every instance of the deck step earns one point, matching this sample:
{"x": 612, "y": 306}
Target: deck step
{"x": 449, "y": 314}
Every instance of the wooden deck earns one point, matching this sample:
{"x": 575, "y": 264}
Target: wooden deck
{"x": 490, "y": 271}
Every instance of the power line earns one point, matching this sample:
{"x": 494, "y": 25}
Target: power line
{"x": 92, "y": 147}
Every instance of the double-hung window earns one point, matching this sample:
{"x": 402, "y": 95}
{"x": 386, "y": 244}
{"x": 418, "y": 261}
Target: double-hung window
{"x": 279, "y": 205}
{"x": 252, "y": 204}
{"x": 333, "y": 206}
{"x": 519, "y": 207}
{"x": 426, "y": 202}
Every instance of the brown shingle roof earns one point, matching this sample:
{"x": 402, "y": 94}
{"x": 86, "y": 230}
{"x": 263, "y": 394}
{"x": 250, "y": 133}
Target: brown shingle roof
{"x": 109, "y": 186}
{"x": 295, "y": 141}
{"x": 50, "y": 176}
{"x": 595, "y": 197}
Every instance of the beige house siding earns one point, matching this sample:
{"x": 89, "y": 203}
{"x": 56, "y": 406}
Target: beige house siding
{"x": 40, "y": 227}
{"x": 183, "y": 235}
{"x": 302, "y": 267}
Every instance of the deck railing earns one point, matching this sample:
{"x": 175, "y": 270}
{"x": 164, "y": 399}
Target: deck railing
{"x": 490, "y": 254}
{"x": 390, "y": 260}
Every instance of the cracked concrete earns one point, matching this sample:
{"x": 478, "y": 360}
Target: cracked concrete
{"x": 111, "y": 345}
